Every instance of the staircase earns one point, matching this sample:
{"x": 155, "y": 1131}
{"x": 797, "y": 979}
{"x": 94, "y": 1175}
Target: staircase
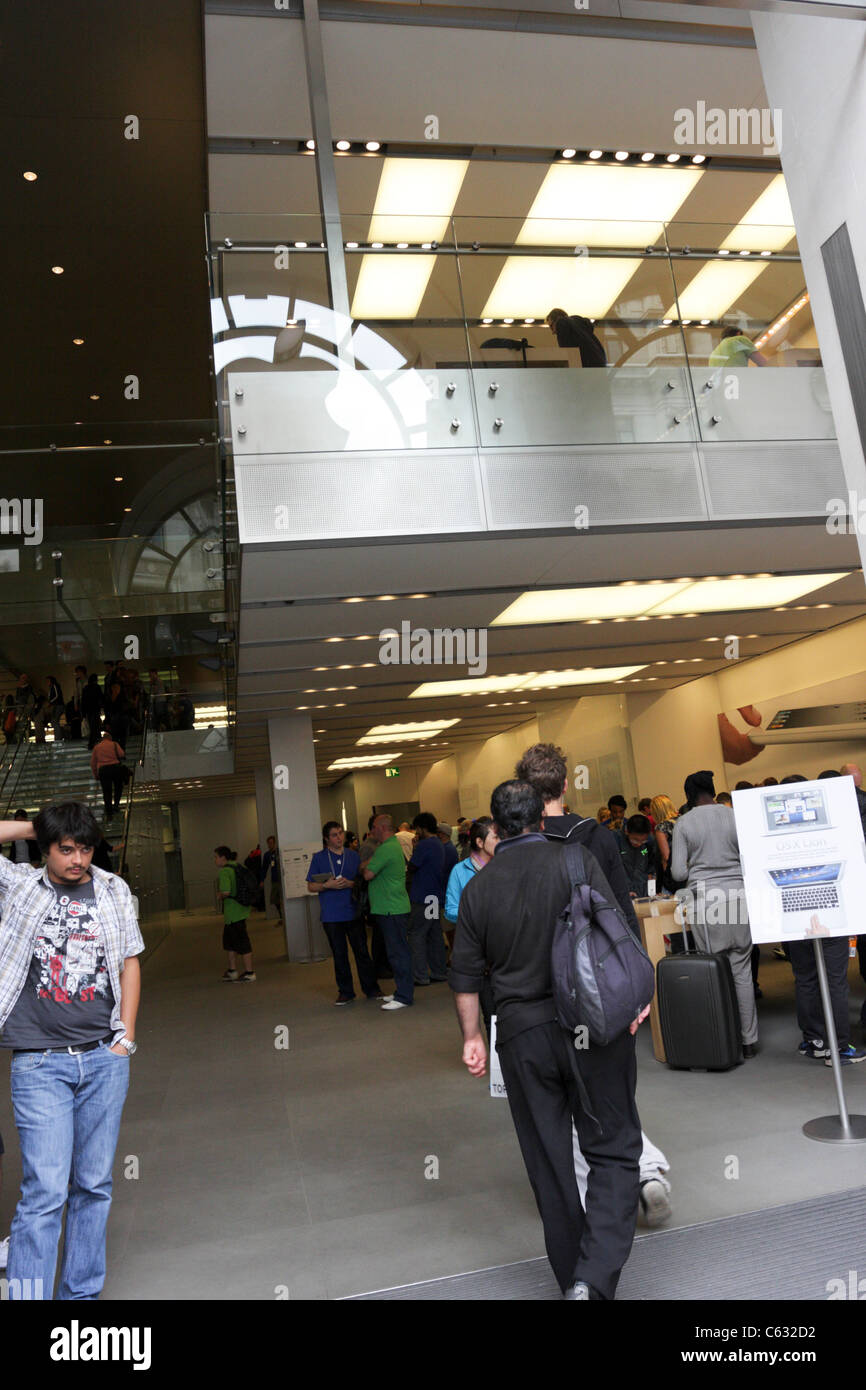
{"x": 43, "y": 773}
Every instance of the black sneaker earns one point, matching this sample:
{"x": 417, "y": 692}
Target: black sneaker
{"x": 815, "y": 1048}
{"x": 344, "y": 999}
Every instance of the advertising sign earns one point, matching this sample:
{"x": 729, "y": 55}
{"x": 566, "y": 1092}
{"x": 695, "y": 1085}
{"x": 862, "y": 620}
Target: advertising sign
{"x": 804, "y": 859}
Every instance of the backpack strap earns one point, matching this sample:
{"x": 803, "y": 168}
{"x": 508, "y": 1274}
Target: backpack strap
{"x": 575, "y": 864}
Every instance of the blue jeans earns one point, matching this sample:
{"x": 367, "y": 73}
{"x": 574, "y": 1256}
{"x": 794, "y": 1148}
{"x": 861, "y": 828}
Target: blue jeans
{"x": 427, "y": 945}
{"x": 395, "y": 930}
{"x": 67, "y": 1112}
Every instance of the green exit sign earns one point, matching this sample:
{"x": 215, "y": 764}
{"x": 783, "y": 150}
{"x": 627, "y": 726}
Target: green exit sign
{"x": 392, "y": 772}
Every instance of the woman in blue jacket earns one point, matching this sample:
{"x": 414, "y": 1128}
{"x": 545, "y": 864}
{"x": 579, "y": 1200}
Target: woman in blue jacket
{"x": 482, "y": 842}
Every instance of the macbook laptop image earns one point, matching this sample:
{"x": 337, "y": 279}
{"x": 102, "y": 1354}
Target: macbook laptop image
{"x": 809, "y": 890}
{"x": 787, "y": 809}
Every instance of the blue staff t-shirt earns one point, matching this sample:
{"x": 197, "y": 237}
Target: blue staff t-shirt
{"x": 336, "y": 903}
{"x": 428, "y": 860}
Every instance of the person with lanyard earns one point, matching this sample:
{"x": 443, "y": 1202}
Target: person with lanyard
{"x": 332, "y": 874}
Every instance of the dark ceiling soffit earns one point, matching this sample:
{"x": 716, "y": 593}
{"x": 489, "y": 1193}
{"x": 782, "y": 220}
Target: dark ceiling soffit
{"x": 521, "y": 21}
{"x": 498, "y": 154}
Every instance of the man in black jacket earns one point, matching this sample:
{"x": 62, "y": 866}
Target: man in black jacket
{"x": 575, "y": 331}
{"x": 505, "y": 926}
{"x": 544, "y": 767}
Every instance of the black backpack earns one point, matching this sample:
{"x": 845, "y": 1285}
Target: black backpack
{"x": 602, "y": 976}
{"x": 246, "y": 886}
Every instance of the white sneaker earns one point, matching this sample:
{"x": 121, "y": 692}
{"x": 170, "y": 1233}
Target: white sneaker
{"x": 4, "y": 1252}
{"x": 655, "y": 1202}
{"x": 394, "y": 1004}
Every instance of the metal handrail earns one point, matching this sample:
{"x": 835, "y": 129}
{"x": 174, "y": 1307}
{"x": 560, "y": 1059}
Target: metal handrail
{"x": 122, "y": 864}
{"x": 17, "y": 761}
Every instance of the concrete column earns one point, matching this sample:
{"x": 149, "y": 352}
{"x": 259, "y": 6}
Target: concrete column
{"x": 296, "y": 809}
{"x": 814, "y": 72}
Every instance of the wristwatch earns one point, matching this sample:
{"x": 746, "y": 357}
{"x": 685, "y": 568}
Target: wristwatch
{"x": 128, "y": 1044}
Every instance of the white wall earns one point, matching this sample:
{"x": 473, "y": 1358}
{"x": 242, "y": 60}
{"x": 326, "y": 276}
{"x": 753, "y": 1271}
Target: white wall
{"x": 438, "y": 790}
{"x": 482, "y": 766}
{"x": 593, "y": 733}
{"x": 815, "y": 72}
{"x": 229, "y": 820}
{"x": 673, "y": 734}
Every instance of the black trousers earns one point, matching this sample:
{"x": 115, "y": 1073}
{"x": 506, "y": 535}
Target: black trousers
{"x": 341, "y": 935}
{"x": 810, "y": 1012}
{"x": 544, "y": 1099}
{"x": 111, "y": 781}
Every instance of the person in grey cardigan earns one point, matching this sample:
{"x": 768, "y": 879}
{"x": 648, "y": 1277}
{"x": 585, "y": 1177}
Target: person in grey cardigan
{"x": 706, "y": 855}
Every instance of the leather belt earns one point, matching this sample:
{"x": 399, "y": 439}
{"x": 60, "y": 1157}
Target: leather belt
{"x": 73, "y": 1051}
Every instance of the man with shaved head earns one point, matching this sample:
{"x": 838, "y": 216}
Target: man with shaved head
{"x": 389, "y": 904}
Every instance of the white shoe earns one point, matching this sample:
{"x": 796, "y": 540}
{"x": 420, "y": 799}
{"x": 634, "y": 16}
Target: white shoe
{"x": 394, "y": 1004}
{"x": 4, "y": 1252}
{"x": 655, "y": 1202}
{"x": 386, "y": 998}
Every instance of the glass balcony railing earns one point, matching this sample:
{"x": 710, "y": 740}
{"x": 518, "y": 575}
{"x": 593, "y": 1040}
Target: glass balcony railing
{"x": 441, "y": 339}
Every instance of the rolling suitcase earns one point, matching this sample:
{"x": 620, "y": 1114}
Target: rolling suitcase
{"x": 698, "y": 1012}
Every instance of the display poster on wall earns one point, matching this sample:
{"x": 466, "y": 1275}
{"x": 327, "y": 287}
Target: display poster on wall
{"x": 296, "y": 865}
{"x": 804, "y": 859}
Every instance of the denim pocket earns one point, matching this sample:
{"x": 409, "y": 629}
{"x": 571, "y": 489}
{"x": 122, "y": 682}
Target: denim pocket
{"x": 28, "y": 1061}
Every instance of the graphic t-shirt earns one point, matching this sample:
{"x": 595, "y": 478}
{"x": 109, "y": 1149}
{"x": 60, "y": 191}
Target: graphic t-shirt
{"x": 67, "y": 998}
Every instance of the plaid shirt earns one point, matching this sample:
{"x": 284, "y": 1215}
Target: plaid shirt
{"x": 27, "y": 897}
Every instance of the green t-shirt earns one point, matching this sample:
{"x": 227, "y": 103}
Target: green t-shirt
{"x": 388, "y": 896}
{"x": 733, "y": 352}
{"x": 233, "y": 911}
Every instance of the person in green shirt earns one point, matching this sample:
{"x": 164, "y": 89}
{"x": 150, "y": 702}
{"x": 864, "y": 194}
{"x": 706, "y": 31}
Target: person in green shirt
{"x": 736, "y": 350}
{"x": 236, "y": 940}
{"x": 389, "y": 905}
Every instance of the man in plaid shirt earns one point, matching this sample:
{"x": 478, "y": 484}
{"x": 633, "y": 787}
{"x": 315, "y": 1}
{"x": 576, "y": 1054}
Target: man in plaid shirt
{"x": 69, "y": 992}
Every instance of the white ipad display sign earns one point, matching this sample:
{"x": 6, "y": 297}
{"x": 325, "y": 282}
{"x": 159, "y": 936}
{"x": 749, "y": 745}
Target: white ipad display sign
{"x": 804, "y": 859}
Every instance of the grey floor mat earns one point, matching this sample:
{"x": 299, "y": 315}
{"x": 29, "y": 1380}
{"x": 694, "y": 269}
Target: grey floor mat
{"x": 790, "y": 1253}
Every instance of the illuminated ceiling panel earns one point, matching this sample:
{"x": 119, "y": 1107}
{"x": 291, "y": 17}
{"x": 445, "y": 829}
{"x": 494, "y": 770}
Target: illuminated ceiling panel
{"x": 535, "y": 285}
{"x": 591, "y": 205}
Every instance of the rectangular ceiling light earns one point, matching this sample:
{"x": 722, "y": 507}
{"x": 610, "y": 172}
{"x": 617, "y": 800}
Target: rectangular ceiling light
{"x": 592, "y": 205}
{"x": 531, "y": 680}
{"x": 717, "y": 286}
{"x": 728, "y": 595}
{"x": 769, "y": 220}
{"x": 391, "y": 287}
{"x": 533, "y": 285}
{"x": 405, "y": 733}
{"x": 414, "y": 202}
{"x": 370, "y": 760}
{"x": 577, "y": 605}
{"x": 415, "y": 199}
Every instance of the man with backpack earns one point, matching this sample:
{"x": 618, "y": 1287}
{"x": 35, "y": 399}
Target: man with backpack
{"x": 236, "y": 890}
{"x": 506, "y": 924}
{"x": 544, "y": 767}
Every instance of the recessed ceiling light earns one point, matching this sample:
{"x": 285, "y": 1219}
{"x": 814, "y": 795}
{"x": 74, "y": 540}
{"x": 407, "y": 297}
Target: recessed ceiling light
{"x": 508, "y": 320}
{"x": 596, "y": 154}
{"x": 377, "y": 245}
{"x": 106, "y": 441}
{"x": 57, "y": 270}
{"x": 386, "y": 598}
{"x": 127, "y": 509}
{"x": 705, "y": 322}
{"x": 300, "y": 246}
{"x": 94, "y": 397}
{"x": 344, "y": 145}
{"x": 402, "y": 246}
{"x": 745, "y": 253}
{"x": 486, "y": 320}
{"x": 621, "y": 155}
{"x": 372, "y": 146}
{"x": 333, "y": 639}
{"x": 368, "y": 760}
{"x": 354, "y": 600}
{"x": 673, "y": 159}
{"x": 724, "y": 251}
{"x": 665, "y": 322}
{"x": 310, "y": 144}
{"x": 569, "y": 154}
{"x": 647, "y": 157}
{"x": 119, "y": 478}
{"x": 698, "y": 158}
{"x": 419, "y": 595}
{"x": 766, "y": 253}
{"x": 79, "y": 342}
{"x": 30, "y": 176}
